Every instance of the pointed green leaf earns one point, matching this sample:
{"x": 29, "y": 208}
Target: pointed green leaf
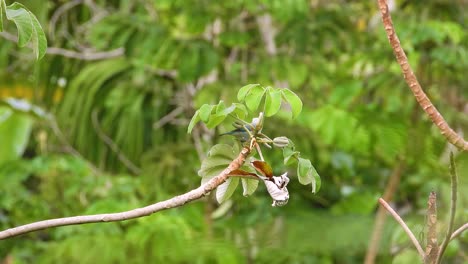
{"x": 17, "y": 13}
{"x": 38, "y": 38}
{"x": 220, "y": 106}
{"x": 195, "y": 119}
{"x": 225, "y": 190}
{"x": 293, "y": 100}
{"x": 241, "y": 110}
{"x": 215, "y": 120}
{"x": 249, "y": 186}
{"x": 272, "y": 102}
{"x": 244, "y": 91}
{"x": 316, "y": 181}
{"x": 226, "y": 111}
{"x": 303, "y": 168}
{"x": 289, "y": 153}
{"x": 205, "y": 112}
{"x": 254, "y": 98}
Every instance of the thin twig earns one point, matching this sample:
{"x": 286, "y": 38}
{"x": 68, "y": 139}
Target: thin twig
{"x": 413, "y": 83}
{"x": 459, "y": 231}
{"x": 404, "y": 226}
{"x": 453, "y": 208}
{"x": 135, "y": 213}
{"x": 390, "y": 189}
{"x": 86, "y": 55}
{"x": 432, "y": 248}
{"x": 168, "y": 118}
{"x": 112, "y": 145}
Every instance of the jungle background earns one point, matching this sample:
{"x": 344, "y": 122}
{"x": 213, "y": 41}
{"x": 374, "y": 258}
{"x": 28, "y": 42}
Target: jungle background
{"x": 102, "y": 127}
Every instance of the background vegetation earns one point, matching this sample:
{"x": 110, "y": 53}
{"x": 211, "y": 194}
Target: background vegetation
{"x": 102, "y": 132}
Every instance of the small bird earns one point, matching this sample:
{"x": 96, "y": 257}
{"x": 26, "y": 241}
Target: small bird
{"x": 240, "y": 133}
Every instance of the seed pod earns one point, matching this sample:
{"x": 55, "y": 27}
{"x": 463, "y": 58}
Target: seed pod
{"x": 280, "y": 142}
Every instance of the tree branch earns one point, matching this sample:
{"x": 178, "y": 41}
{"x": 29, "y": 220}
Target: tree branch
{"x": 459, "y": 231}
{"x": 135, "y": 213}
{"x": 453, "y": 208}
{"x": 404, "y": 226}
{"x": 413, "y": 83}
{"x": 86, "y": 55}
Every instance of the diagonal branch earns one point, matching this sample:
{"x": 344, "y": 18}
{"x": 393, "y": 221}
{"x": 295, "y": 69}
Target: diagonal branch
{"x": 404, "y": 226}
{"x": 413, "y": 83}
{"x": 135, "y": 213}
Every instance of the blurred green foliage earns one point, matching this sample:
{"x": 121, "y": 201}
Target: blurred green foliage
{"x": 358, "y": 121}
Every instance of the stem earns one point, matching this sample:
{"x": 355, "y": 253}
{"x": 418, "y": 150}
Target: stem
{"x": 404, "y": 226}
{"x": 432, "y": 248}
{"x": 459, "y": 231}
{"x": 453, "y": 208}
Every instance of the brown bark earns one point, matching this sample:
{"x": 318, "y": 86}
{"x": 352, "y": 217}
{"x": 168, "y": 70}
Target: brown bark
{"x": 413, "y": 83}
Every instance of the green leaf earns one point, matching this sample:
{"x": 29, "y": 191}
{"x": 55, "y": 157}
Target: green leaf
{"x": 38, "y": 38}
{"x": 249, "y": 186}
{"x": 17, "y": 13}
{"x": 225, "y": 190}
{"x": 241, "y": 110}
{"x": 195, "y": 119}
{"x": 244, "y": 91}
{"x": 226, "y": 111}
{"x": 217, "y": 160}
{"x": 205, "y": 112}
{"x": 253, "y": 99}
{"x": 306, "y": 174}
{"x": 220, "y": 106}
{"x": 288, "y": 153}
{"x": 316, "y": 181}
{"x": 215, "y": 120}
{"x": 303, "y": 168}
{"x": 293, "y": 100}
{"x": 272, "y": 102}
{"x": 15, "y": 130}
{"x": 2, "y": 7}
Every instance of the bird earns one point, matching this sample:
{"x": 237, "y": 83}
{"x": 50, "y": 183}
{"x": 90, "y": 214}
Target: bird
{"x": 240, "y": 134}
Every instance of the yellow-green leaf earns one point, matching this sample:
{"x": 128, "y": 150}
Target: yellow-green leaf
{"x": 293, "y": 100}
{"x": 272, "y": 102}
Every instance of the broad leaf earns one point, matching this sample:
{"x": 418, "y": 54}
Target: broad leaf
{"x": 306, "y": 174}
{"x": 195, "y": 119}
{"x": 293, "y": 100}
{"x": 217, "y": 160}
{"x": 289, "y": 154}
{"x": 225, "y": 190}
{"x": 249, "y": 186}
{"x": 38, "y": 38}
{"x": 244, "y": 91}
{"x": 254, "y": 98}
{"x": 205, "y": 112}
{"x": 272, "y": 102}
{"x": 17, "y": 13}
{"x": 303, "y": 168}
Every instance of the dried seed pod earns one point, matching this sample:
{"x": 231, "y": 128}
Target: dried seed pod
{"x": 280, "y": 142}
